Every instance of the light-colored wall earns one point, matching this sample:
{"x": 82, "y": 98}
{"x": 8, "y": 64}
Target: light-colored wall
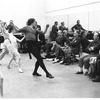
{"x": 49, "y": 11}
{"x": 57, "y": 5}
{"x": 21, "y": 10}
{"x": 87, "y": 11}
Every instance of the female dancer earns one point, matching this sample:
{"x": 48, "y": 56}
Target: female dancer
{"x": 11, "y": 46}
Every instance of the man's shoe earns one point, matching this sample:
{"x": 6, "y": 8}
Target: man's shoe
{"x": 55, "y": 60}
{"x": 97, "y": 79}
{"x": 43, "y": 57}
{"x": 86, "y": 74}
{"x": 49, "y": 76}
{"x": 91, "y": 75}
{"x": 62, "y": 62}
{"x": 36, "y": 74}
{"x": 79, "y": 72}
{"x": 49, "y": 59}
{"x": 67, "y": 63}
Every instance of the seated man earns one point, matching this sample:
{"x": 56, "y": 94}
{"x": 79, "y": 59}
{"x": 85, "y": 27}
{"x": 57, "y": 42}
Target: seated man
{"x": 54, "y": 31}
{"x": 72, "y": 49}
{"x": 93, "y": 50}
{"x": 67, "y": 54}
{"x": 84, "y": 42}
{"x": 78, "y": 27}
{"x": 60, "y": 40}
{"x": 62, "y": 27}
{"x": 75, "y": 44}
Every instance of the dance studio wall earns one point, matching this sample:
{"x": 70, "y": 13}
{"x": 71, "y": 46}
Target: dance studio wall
{"x": 87, "y": 11}
{"x": 21, "y": 10}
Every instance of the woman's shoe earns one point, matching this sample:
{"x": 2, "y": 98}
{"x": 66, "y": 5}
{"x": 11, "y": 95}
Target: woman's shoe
{"x": 20, "y": 70}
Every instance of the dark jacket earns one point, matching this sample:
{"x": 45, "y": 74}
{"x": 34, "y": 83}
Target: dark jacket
{"x": 84, "y": 44}
{"x": 75, "y": 44}
{"x": 54, "y": 33}
{"x": 96, "y": 45}
{"x": 61, "y": 39}
{"x": 77, "y": 27}
{"x": 62, "y": 28}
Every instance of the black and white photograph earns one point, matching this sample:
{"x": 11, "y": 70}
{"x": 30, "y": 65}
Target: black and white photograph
{"x": 49, "y": 49}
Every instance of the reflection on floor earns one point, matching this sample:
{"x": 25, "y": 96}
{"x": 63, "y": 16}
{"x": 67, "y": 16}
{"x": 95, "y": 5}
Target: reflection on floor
{"x": 66, "y": 83}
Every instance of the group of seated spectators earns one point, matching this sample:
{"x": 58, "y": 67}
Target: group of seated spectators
{"x": 64, "y": 49}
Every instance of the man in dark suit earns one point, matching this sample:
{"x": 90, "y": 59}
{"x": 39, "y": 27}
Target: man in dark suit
{"x": 54, "y": 31}
{"x": 78, "y": 27}
{"x": 75, "y": 43}
{"x": 62, "y": 27}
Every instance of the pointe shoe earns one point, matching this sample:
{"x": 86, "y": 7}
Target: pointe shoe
{"x": 36, "y": 74}
{"x": 49, "y": 76}
{"x": 20, "y": 70}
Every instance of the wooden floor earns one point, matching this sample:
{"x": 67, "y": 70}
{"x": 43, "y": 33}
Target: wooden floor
{"x": 66, "y": 83}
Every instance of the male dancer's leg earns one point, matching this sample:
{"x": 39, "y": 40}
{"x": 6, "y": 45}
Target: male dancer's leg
{"x": 35, "y": 73}
{"x": 36, "y": 53}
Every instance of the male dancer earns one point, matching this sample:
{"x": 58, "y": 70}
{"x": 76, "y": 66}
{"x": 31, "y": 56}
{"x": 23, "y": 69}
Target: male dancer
{"x": 31, "y": 34}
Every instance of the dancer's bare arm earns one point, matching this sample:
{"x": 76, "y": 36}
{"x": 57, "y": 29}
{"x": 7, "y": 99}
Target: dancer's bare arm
{"x": 39, "y": 31}
{"x": 21, "y": 39}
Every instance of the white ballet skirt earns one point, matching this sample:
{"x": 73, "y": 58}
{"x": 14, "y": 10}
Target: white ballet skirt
{"x": 12, "y": 47}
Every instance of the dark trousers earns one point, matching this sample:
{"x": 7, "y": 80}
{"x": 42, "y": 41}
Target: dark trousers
{"x": 98, "y": 65}
{"x": 33, "y": 49}
{"x": 48, "y": 48}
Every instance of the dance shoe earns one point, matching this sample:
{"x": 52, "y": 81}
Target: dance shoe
{"x": 49, "y": 76}
{"x": 36, "y": 74}
{"x": 79, "y": 72}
